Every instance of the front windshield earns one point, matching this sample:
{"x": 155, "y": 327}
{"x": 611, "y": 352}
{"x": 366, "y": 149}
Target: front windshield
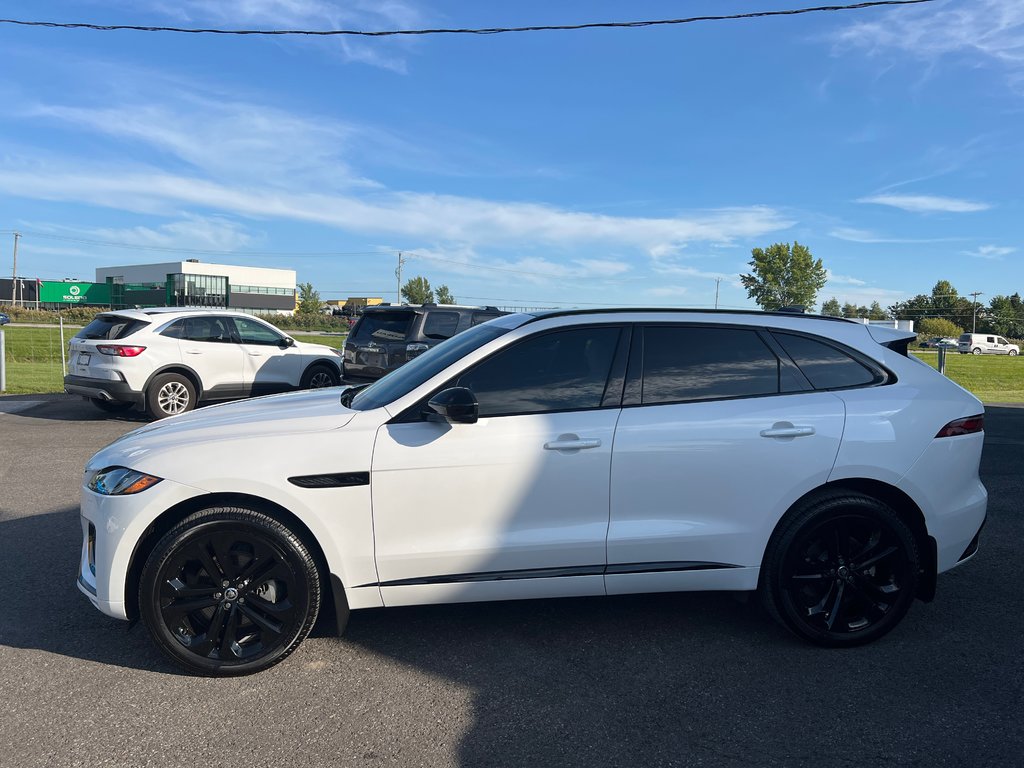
{"x": 418, "y": 370}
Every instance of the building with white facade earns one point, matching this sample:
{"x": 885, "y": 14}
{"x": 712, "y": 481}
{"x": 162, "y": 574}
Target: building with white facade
{"x": 193, "y": 283}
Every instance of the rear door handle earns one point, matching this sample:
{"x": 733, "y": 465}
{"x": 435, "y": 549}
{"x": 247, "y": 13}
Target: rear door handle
{"x": 783, "y": 429}
{"x": 572, "y": 443}
{"x": 193, "y": 351}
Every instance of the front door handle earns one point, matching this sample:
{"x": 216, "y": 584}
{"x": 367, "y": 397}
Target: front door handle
{"x": 572, "y": 443}
{"x": 783, "y": 429}
{"x": 193, "y": 351}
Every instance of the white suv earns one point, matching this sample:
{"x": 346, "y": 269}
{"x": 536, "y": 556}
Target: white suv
{"x": 550, "y": 455}
{"x": 167, "y": 360}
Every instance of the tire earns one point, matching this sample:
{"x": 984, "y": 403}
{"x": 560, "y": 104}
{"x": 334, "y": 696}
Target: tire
{"x": 320, "y": 376}
{"x": 1012, "y": 353}
{"x": 841, "y": 570}
{"x": 170, "y": 394}
{"x": 269, "y": 605}
{"x": 976, "y": 351}
{"x": 110, "y": 406}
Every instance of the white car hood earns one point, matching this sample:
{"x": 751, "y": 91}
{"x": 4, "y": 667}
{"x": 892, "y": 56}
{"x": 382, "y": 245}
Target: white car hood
{"x": 256, "y": 419}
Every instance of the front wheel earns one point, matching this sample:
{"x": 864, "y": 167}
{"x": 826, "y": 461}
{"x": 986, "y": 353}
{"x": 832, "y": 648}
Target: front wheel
{"x": 229, "y": 591}
{"x": 1013, "y": 353}
{"x": 320, "y": 376}
{"x": 842, "y": 571}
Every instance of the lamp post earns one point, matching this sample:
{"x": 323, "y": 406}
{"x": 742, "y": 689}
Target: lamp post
{"x": 974, "y": 321}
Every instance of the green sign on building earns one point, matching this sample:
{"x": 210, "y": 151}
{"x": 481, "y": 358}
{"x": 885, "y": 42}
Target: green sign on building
{"x": 53, "y": 292}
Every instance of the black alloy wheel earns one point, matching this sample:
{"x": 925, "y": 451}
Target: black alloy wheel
{"x": 229, "y": 591}
{"x": 842, "y": 572}
{"x": 320, "y": 376}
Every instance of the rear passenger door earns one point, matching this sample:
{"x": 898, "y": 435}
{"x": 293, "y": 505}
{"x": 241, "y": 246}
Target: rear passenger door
{"x": 719, "y": 434}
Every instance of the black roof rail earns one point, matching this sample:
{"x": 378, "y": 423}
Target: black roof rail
{"x": 676, "y": 310}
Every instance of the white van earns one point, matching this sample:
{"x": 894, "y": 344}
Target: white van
{"x": 985, "y": 344}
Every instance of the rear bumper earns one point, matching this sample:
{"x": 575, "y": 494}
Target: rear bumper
{"x": 102, "y": 389}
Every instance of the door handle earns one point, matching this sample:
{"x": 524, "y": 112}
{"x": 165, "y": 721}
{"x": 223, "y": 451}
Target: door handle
{"x": 255, "y": 354}
{"x": 783, "y": 429}
{"x": 571, "y": 443}
{"x": 193, "y": 351}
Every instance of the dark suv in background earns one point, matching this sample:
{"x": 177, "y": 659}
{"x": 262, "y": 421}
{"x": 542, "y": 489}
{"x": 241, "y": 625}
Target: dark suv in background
{"x": 386, "y": 337}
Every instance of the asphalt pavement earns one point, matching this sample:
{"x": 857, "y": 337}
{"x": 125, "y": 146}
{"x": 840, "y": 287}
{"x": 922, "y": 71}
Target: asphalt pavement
{"x": 663, "y": 680}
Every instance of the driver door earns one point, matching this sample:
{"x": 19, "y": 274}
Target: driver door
{"x": 270, "y": 366}
{"x": 515, "y": 505}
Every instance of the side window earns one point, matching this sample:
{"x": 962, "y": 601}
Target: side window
{"x": 482, "y": 317}
{"x": 175, "y": 330}
{"x": 990, "y": 339}
{"x": 694, "y": 363}
{"x": 1002, "y": 340}
{"x": 210, "y": 329}
{"x": 252, "y": 332}
{"x": 825, "y": 366}
{"x": 440, "y": 325}
{"x": 560, "y": 371}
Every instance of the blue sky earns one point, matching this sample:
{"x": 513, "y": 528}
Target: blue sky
{"x": 545, "y": 169}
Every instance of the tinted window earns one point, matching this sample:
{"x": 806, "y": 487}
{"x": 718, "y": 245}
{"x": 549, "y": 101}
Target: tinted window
{"x": 440, "y": 325}
{"x": 483, "y": 317}
{"x": 825, "y": 366}
{"x": 694, "y": 363}
{"x": 561, "y": 371}
{"x": 110, "y": 327}
{"x": 213, "y": 329}
{"x": 382, "y": 326}
{"x": 1002, "y": 340}
{"x": 175, "y": 330}
{"x": 253, "y": 332}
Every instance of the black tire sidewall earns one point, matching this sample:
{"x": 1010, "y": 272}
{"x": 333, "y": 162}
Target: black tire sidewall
{"x": 300, "y": 562}
{"x": 789, "y": 533}
{"x": 313, "y": 370}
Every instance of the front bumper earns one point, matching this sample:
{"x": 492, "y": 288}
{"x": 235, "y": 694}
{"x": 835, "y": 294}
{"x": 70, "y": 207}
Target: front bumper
{"x": 102, "y": 389}
{"x": 112, "y": 527}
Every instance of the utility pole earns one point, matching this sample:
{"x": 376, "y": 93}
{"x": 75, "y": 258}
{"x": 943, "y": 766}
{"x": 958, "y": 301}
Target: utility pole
{"x": 398, "y": 274}
{"x": 14, "y": 275}
{"x": 974, "y": 322}
{"x": 718, "y": 280}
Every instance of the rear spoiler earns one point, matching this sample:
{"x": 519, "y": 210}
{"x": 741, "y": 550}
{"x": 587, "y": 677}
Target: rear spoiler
{"x": 893, "y": 338}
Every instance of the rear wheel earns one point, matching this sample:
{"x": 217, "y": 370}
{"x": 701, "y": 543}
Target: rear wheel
{"x": 229, "y": 591}
{"x": 841, "y": 571}
{"x": 110, "y": 406}
{"x": 170, "y": 394}
{"x": 976, "y": 351}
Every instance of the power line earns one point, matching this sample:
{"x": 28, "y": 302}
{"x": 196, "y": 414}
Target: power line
{"x": 462, "y": 31}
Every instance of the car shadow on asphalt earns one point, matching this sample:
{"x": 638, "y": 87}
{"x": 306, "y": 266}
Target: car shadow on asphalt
{"x": 43, "y": 608}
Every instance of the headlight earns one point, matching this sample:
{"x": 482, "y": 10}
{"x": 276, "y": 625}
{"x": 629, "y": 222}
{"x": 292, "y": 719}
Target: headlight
{"x": 121, "y": 481}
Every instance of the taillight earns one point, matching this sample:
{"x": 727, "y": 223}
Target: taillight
{"x": 119, "y": 350}
{"x": 967, "y": 426}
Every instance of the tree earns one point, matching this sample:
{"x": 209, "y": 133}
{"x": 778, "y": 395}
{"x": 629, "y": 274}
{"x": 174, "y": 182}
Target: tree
{"x": 417, "y": 291}
{"x": 832, "y": 308}
{"x": 444, "y": 296}
{"x": 875, "y": 312}
{"x": 938, "y": 326}
{"x": 309, "y": 300}
{"x": 784, "y": 276}
{"x": 1005, "y": 316}
{"x": 944, "y": 302}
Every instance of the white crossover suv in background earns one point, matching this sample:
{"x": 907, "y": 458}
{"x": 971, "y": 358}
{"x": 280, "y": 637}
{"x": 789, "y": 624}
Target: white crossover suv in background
{"x": 550, "y": 455}
{"x": 167, "y": 360}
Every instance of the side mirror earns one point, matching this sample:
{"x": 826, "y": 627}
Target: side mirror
{"x": 456, "y": 405}
{"x": 286, "y": 342}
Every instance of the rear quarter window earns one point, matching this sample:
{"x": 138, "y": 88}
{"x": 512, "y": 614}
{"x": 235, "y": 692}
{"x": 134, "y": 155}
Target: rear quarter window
{"x": 440, "y": 325}
{"x": 382, "y": 326}
{"x": 825, "y": 366}
{"x": 110, "y": 328}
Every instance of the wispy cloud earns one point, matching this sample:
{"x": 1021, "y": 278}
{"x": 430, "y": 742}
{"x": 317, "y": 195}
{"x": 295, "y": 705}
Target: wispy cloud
{"x": 983, "y": 31}
{"x": 991, "y": 252}
{"x": 927, "y": 203}
{"x": 307, "y": 14}
{"x": 854, "y": 235}
{"x": 834, "y": 279}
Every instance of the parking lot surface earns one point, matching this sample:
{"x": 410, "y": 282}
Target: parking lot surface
{"x": 664, "y": 680}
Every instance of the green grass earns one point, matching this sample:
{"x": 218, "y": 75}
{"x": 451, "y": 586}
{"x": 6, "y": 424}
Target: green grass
{"x": 991, "y": 378}
{"x": 33, "y": 356}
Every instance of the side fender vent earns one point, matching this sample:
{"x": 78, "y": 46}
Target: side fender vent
{"x": 336, "y": 480}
